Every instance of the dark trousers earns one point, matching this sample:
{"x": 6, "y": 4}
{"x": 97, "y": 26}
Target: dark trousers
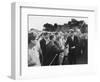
{"x": 72, "y": 58}
{"x": 65, "y": 60}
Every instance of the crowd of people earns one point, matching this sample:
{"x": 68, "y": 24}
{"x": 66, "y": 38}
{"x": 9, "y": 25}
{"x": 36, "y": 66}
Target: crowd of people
{"x": 57, "y": 48}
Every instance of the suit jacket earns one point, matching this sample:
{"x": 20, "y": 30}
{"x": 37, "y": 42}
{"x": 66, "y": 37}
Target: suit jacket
{"x": 52, "y": 50}
{"x": 43, "y": 48}
{"x": 71, "y": 43}
{"x": 43, "y": 45}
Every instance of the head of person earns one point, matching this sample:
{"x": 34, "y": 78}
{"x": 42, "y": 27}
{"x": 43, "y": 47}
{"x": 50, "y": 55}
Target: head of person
{"x": 78, "y": 32}
{"x": 45, "y": 35}
{"x": 32, "y": 39}
{"x": 56, "y": 34}
{"x": 71, "y": 32}
{"x": 52, "y": 37}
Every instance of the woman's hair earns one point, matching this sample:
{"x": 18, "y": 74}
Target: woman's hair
{"x": 31, "y": 36}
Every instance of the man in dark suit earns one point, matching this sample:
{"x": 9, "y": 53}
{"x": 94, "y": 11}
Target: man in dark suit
{"x": 52, "y": 53}
{"x": 43, "y": 45}
{"x": 73, "y": 43}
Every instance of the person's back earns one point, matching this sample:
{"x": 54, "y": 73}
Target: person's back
{"x": 58, "y": 44}
{"x": 52, "y": 52}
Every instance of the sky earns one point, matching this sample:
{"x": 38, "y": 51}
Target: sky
{"x": 37, "y": 22}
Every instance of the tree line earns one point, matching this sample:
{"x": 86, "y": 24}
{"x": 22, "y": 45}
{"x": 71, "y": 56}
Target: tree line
{"x": 73, "y": 24}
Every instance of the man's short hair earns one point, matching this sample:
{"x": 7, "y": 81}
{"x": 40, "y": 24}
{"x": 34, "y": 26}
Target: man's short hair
{"x": 51, "y": 37}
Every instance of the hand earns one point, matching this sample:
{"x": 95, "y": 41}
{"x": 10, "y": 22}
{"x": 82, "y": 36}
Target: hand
{"x": 73, "y": 47}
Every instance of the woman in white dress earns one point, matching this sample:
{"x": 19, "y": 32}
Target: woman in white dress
{"x": 33, "y": 51}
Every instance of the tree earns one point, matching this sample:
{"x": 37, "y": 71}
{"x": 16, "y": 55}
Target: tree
{"x": 55, "y": 26}
{"x": 48, "y": 27}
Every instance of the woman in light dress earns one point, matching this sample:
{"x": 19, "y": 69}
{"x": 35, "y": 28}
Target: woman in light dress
{"x": 61, "y": 56}
{"x": 33, "y": 50}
